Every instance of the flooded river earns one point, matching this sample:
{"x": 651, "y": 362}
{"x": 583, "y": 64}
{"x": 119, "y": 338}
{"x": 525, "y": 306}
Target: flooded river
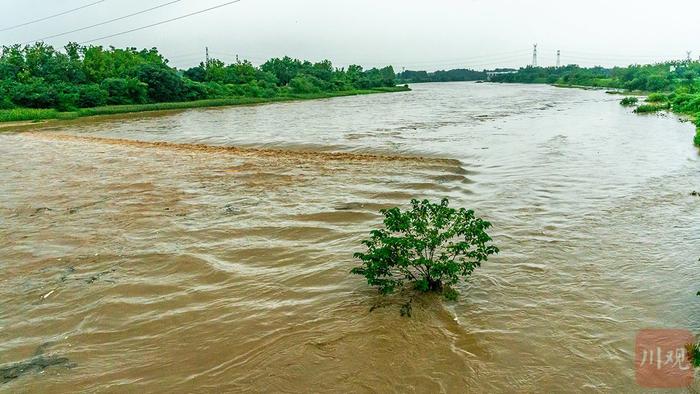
{"x": 208, "y": 250}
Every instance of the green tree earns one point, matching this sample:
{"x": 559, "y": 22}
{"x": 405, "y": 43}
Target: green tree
{"x": 39, "y": 76}
{"x": 125, "y": 90}
{"x": 431, "y": 246}
{"x": 92, "y": 96}
{"x": 198, "y": 74}
{"x": 284, "y": 69}
{"x": 303, "y": 84}
{"x": 163, "y": 83}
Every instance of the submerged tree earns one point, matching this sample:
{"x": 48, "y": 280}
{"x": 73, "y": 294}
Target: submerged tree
{"x": 431, "y": 246}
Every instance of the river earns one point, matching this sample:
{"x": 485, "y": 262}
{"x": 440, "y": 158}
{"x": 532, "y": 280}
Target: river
{"x": 210, "y": 249}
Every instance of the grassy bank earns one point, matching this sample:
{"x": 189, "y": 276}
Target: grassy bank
{"x": 677, "y": 102}
{"x": 31, "y": 114}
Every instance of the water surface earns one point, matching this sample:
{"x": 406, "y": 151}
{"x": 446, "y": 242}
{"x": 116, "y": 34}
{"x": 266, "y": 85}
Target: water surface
{"x": 178, "y": 267}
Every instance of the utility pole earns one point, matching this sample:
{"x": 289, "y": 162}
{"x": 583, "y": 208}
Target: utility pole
{"x": 206, "y": 61}
{"x": 534, "y": 55}
{"x": 558, "y": 58}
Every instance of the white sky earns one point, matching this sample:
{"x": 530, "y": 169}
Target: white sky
{"x": 404, "y": 33}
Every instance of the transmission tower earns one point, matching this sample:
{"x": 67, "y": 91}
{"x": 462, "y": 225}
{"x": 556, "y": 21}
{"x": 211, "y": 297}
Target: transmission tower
{"x": 558, "y": 58}
{"x": 206, "y": 59}
{"x": 534, "y": 55}
{"x": 689, "y": 53}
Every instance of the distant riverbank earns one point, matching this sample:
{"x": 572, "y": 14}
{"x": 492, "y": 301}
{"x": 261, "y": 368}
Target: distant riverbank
{"x": 672, "y": 86}
{"x": 682, "y": 104}
{"x": 39, "y": 82}
{"x": 13, "y": 116}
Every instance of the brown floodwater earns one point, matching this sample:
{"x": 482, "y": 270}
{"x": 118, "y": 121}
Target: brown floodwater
{"x": 208, "y": 250}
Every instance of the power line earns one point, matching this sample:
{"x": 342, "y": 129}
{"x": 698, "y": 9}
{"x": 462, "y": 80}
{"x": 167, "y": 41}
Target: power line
{"x": 103, "y": 23}
{"x": 161, "y": 22}
{"x": 52, "y": 16}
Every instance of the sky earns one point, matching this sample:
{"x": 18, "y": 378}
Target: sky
{"x": 416, "y": 35}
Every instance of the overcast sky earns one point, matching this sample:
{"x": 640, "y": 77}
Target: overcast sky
{"x": 428, "y": 35}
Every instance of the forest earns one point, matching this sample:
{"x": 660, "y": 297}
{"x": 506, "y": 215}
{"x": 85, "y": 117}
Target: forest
{"x": 660, "y": 77}
{"x": 461, "y": 74}
{"x": 40, "y": 76}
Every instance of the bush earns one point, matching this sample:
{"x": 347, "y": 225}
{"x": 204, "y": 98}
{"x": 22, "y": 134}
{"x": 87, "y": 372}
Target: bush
{"x": 693, "y": 353}
{"x": 21, "y": 114}
{"x": 34, "y": 94}
{"x": 656, "y": 83}
{"x": 627, "y": 101}
{"x": 305, "y": 84}
{"x": 657, "y": 98}
{"x": 6, "y": 103}
{"x": 67, "y": 102}
{"x": 164, "y": 84}
{"x": 692, "y": 104}
{"x": 696, "y": 140}
{"x": 195, "y": 90}
{"x": 648, "y": 108}
{"x": 125, "y": 91}
{"x": 430, "y": 246}
{"x": 92, "y": 96}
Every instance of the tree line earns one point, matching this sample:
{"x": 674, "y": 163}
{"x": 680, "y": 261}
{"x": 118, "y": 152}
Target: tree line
{"x": 456, "y": 75}
{"x": 40, "y": 76}
{"x": 660, "y": 77}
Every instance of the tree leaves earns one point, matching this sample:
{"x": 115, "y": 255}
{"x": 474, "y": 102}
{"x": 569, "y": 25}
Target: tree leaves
{"x": 429, "y": 246}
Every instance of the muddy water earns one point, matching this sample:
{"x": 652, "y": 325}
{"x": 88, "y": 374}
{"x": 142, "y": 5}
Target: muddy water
{"x": 148, "y": 254}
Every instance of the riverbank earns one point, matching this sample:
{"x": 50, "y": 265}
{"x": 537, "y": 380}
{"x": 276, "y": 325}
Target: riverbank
{"x": 670, "y": 86}
{"x": 11, "y": 117}
{"x": 681, "y": 104}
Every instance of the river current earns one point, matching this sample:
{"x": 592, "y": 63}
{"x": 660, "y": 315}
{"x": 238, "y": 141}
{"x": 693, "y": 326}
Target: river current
{"x": 210, "y": 249}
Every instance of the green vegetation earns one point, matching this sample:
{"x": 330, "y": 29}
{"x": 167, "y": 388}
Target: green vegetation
{"x": 671, "y": 86}
{"x": 628, "y": 101}
{"x": 693, "y": 353}
{"x": 431, "y": 246}
{"x": 657, "y": 98}
{"x": 19, "y": 114}
{"x": 649, "y": 108}
{"x": 693, "y": 349}
{"x": 24, "y": 114}
{"x": 39, "y": 82}
{"x": 409, "y": 76}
